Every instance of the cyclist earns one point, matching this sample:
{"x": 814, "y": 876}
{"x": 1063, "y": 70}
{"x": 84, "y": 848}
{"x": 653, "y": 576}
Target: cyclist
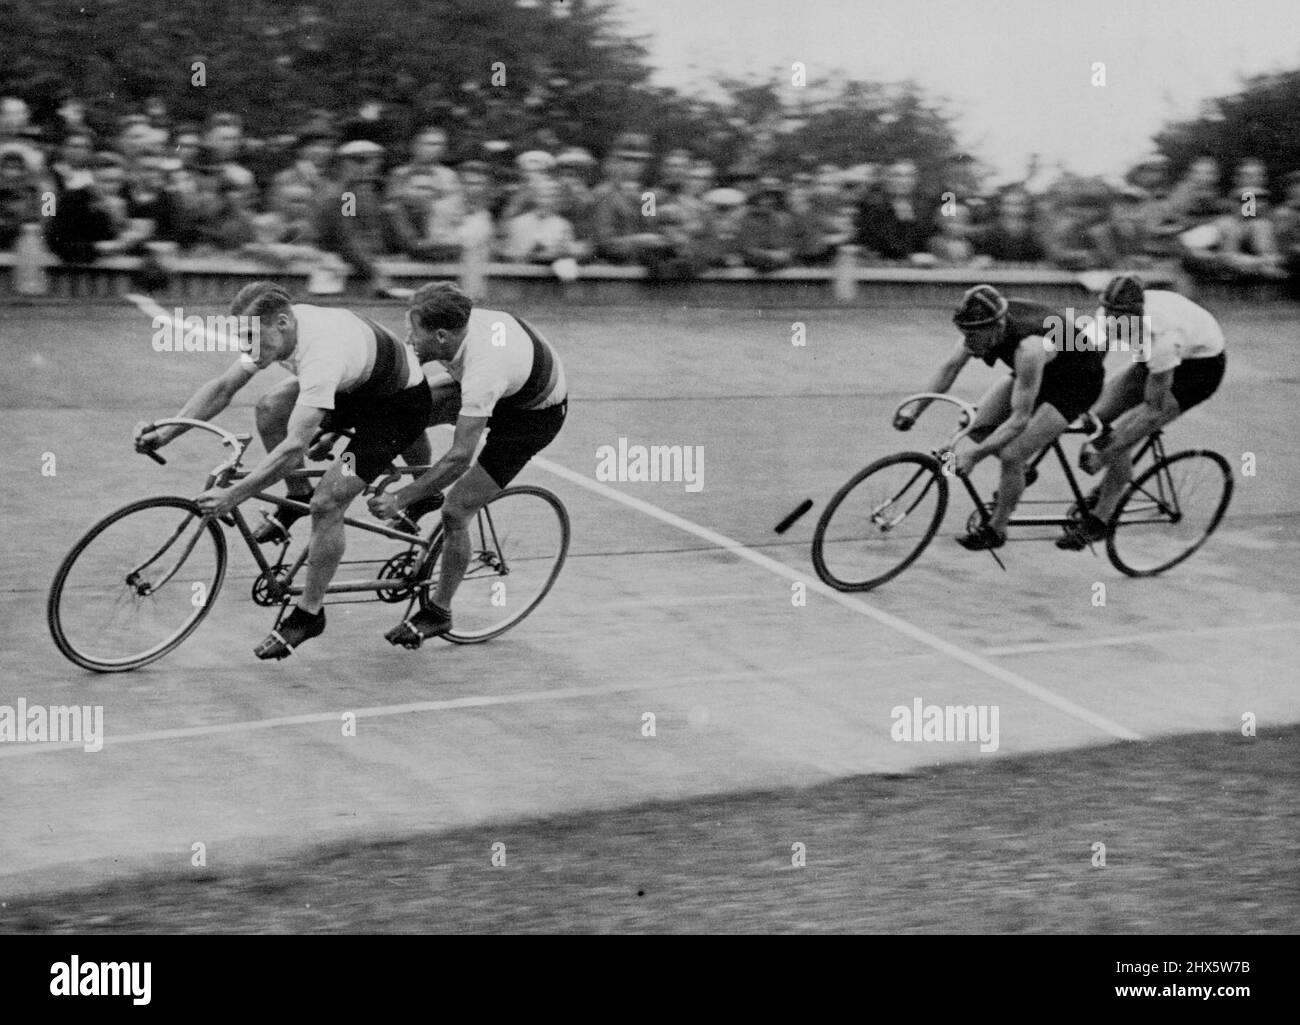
{"x": 1184, "y": 363}
{"x": 512, "y": 384}
{"x": 1050, "y": 385}
{"x": 350, "y": 372}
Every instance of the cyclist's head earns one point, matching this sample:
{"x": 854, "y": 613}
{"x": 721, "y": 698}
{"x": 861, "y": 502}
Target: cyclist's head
{"x": 269, "y": 306}
{"x": 437, "y": 317}
{"x": 981, "y": 316}
{"x": 1123, "y": 296}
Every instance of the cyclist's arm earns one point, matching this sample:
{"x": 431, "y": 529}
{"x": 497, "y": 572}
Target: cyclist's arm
{"x": 210, "y": 399}
{"x": 304, "y": 422}
{"x": 453, "y": 464}
{"x": 941, "y": 381}
{"x": 1031, "y": 357}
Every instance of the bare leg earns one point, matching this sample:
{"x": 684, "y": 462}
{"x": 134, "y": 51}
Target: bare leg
{"x": 466, "y": 497}
{"x": 329, "y": 504}
{"x": 1044, "y": 427}
{"x": 272, "y": 417}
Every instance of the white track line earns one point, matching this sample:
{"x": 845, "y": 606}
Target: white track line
{"x": 969, "y": 658}
{"x": 1143, "y": 638}
{"x": 977, "y": 662}
{"x": 14, "y": 749}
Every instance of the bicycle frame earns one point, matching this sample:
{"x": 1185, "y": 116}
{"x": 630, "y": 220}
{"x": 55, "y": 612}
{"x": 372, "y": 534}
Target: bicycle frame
{"x": 1086, "y": 425}
{"x": 280, "y": 584}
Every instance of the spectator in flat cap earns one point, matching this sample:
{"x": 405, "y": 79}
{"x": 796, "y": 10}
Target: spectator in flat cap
{"x": 767, "y": 230}
{"x": 623, "y": 233}
{"x": 355, "y": 224}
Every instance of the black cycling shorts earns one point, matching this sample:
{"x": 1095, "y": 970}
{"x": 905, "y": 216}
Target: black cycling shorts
{"x": 1073, "y": 393}
{"x": 1195, "y": 380}
{"x": 384, "y": 426}
{"x": 515, "y": 436}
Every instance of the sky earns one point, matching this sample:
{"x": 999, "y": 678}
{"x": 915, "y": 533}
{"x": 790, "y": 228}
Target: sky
{"x": 1016, "y": 73}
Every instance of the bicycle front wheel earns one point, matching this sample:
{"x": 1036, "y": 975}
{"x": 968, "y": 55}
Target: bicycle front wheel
{"x": 880, "y": 522}
{"x": 518, "y": 544}
{"x": 136, "y": 585}
{"x": 1168, "y": 512}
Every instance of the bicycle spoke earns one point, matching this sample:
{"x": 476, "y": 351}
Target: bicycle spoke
{"x": 879, "y": 522}
{"x": 1169, "y": 511}
{"x": 122, "y": 598}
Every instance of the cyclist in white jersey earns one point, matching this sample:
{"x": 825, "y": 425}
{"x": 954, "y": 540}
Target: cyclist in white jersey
{"x": 511, "y": 383}
{"x": 1181, "y": 362}
{"x": 350, "y": 372}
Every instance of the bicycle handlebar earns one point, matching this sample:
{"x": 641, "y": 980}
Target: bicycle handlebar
{"x": 967, "y": 410}
{"x": 235, "y": 442}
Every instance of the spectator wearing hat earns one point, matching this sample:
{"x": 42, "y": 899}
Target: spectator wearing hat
{"x": 894, "y": 220}
{"x": 573, "y": 168}
{"x": 767, "y": 230}
{"x": 623, "y": 234}
{"x": 721, "y": 242}
{"x": 1015, "y": 235}
{"x": 535, "y": 168}
{"x": 682, "y": 215}
{"x": 20, "y": 194}
{"x": 355, "y": 224}
{"x": 542, "y": 234}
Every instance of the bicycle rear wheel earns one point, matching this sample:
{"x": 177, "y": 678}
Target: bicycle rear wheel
{"x": 136, "y": 585}
{"x": 1168, "y": 512}
{"x": 519, "y": 542}
{"x": 880, "y": 521}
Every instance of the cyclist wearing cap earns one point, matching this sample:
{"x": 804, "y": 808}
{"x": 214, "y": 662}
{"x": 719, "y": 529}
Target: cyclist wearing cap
{"x": 510, "y": 383}
{"x": 1181, "y": 362}
{"x": 1048, "y": 387}
{"x": 349, "y": 372}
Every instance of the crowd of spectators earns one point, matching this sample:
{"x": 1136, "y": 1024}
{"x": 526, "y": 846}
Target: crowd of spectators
{"x": 331, "y": 197}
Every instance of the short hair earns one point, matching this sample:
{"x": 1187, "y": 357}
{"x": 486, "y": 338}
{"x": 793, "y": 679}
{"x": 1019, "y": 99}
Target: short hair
{"x": 441, "y": 305}
{"x": 261, "y": 298}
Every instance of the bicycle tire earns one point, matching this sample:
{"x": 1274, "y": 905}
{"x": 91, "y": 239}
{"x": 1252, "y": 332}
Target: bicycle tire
{"x": 53, "y": 611}
{"x": 1139, "y": 489}
{"x": 929, "y": 472}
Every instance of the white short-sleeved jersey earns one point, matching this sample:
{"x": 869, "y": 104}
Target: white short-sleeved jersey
{"x": 500, "y": 361}
{"x": 338, "y": 352}
{"x": 1180, "y": 330}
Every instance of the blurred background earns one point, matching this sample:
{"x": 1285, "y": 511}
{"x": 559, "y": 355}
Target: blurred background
{"x": 572, "y": 133}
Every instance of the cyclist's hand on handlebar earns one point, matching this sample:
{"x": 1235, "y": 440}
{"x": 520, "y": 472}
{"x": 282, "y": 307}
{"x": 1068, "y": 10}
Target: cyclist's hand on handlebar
{"x": 322, "y": 445}
{"x": 384, "y": 507}
{"x": 904, "y": 421}
{"x": 147, "y": 437}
